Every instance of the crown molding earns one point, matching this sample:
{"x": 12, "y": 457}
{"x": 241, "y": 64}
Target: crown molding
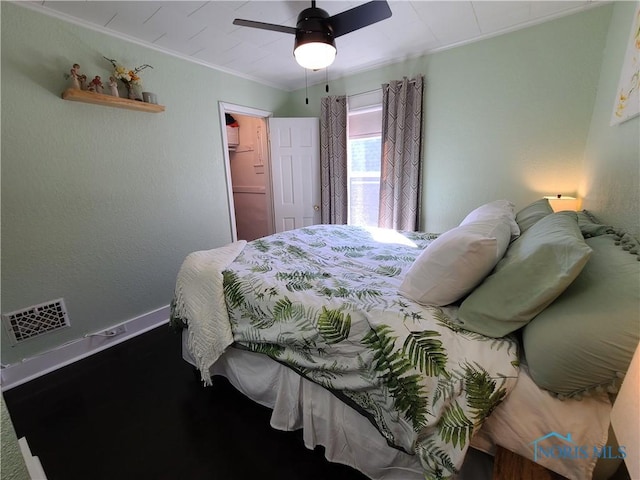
{"x": 39, "y": 7}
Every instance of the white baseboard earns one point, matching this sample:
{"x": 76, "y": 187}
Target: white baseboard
{"x": 34, "y": 367}
{"x": 34, "y": 467}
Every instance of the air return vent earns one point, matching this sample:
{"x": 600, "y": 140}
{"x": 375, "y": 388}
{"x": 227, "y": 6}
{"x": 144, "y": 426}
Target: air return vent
{"x": 34, "y": 321}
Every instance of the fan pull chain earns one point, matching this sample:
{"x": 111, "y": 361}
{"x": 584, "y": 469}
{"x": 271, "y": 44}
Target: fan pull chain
{"x": 326, "y": 79}
{"x": 306, "y": 87}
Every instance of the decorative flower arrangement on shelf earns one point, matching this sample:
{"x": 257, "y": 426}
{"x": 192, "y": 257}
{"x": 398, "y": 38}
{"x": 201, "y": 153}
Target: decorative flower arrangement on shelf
{"x": 129, "y": 77}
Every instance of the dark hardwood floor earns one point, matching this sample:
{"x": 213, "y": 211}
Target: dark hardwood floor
{"x": 136, "y": 411}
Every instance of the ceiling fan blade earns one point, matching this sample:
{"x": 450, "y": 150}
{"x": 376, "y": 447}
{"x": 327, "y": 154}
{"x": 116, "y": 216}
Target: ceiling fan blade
{"x": 264, "y": 26}
{"x": 359, "y": 17}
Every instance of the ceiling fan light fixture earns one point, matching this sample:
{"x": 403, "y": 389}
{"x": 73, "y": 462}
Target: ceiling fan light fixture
{"x": 316, "y": 30}
{"x": 315, "y": 55}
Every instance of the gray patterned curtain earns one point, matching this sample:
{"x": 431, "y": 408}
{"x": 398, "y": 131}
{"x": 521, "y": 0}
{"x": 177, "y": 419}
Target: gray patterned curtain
{"x": 333, "y": 159}
{"x": 400, "y": 182}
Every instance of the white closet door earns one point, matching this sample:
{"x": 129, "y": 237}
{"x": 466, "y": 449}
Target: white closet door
{"x": 295, "y": 170}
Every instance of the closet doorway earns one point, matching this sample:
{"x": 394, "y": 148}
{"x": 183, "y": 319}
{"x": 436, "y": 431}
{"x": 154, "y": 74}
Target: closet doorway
{"x": 246, "y": 152}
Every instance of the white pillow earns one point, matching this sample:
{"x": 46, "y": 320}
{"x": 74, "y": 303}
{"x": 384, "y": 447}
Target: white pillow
{"x": 456, "y": 262}
{"x": 495, "y": 210}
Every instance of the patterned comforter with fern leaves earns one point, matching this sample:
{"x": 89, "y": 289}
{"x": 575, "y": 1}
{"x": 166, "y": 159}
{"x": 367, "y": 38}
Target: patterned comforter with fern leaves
{"x": 323, "y": 300}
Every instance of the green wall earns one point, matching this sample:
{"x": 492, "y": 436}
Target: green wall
{"x": 506, "y": 117}
{"x": 101, "y": 205}
{"x": 611, "y": 179}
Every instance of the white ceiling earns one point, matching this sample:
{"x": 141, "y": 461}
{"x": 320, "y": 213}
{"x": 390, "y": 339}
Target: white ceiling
{"x": 202, "y": 31}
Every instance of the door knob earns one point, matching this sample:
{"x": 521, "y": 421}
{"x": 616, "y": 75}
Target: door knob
{"x": 316, "y": 207}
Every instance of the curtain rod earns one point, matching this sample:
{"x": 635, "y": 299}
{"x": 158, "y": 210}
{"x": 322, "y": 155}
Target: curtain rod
{"x": 364, "y": 93}
{"x": 412, "y": 80}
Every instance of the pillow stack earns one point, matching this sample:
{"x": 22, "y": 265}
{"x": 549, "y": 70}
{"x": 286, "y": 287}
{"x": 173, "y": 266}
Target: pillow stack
{"x": 458, "y": 260}
{"x": 573, "y": 284}
{"x": 535, "y": 270}
{"x": 577, "y": 301}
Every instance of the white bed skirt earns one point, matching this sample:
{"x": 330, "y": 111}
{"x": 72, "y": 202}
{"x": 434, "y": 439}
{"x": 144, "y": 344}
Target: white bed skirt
{"x": 349, "y": 438}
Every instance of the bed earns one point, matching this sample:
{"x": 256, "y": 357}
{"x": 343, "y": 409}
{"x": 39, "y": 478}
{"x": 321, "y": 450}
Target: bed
{"x": 397, "y": 351}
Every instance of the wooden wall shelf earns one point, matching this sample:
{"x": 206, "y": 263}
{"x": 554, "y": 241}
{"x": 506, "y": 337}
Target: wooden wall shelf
{"x": 75, "y": 95}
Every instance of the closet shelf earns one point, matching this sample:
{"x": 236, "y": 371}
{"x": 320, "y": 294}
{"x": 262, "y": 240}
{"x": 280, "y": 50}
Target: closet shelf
{"x": 75, "y": 95}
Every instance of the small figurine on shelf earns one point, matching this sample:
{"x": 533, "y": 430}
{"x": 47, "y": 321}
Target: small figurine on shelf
{"x": 95, "y": 85}
{"x": 77, "y": 79}
{"x": 113, "y": 85}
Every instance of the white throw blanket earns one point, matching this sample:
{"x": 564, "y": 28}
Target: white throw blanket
{"x": 199, "y": 299}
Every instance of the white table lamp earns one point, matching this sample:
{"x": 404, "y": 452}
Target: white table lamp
{"x": 560, "y": 203}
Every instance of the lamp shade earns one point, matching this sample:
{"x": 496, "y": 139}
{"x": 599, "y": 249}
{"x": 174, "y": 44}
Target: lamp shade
{"x": 314, "y": 50}
{"x": 625, "y": 416}
{"x": 561, "y": 203}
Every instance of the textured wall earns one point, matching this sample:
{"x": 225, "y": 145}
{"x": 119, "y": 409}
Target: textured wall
{"x": 12, "y": 465}
{"x": 611, "y": 185}
{"x": 101, "y": 205}
{"x": 505, "y": 117}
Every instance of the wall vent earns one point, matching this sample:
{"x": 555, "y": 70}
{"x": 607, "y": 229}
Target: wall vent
{"x": 35, "y": 320}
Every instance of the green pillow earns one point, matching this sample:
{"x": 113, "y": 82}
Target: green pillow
{"x": 537, "y": 267}
{"x": 532, "y": 213}
{"x": 586, "y": 338}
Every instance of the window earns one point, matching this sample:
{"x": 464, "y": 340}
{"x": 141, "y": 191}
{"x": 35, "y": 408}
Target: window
{"x": 363, "y": 165}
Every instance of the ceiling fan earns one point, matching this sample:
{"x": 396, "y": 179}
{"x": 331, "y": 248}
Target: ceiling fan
{"x": 316, "y": 31}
